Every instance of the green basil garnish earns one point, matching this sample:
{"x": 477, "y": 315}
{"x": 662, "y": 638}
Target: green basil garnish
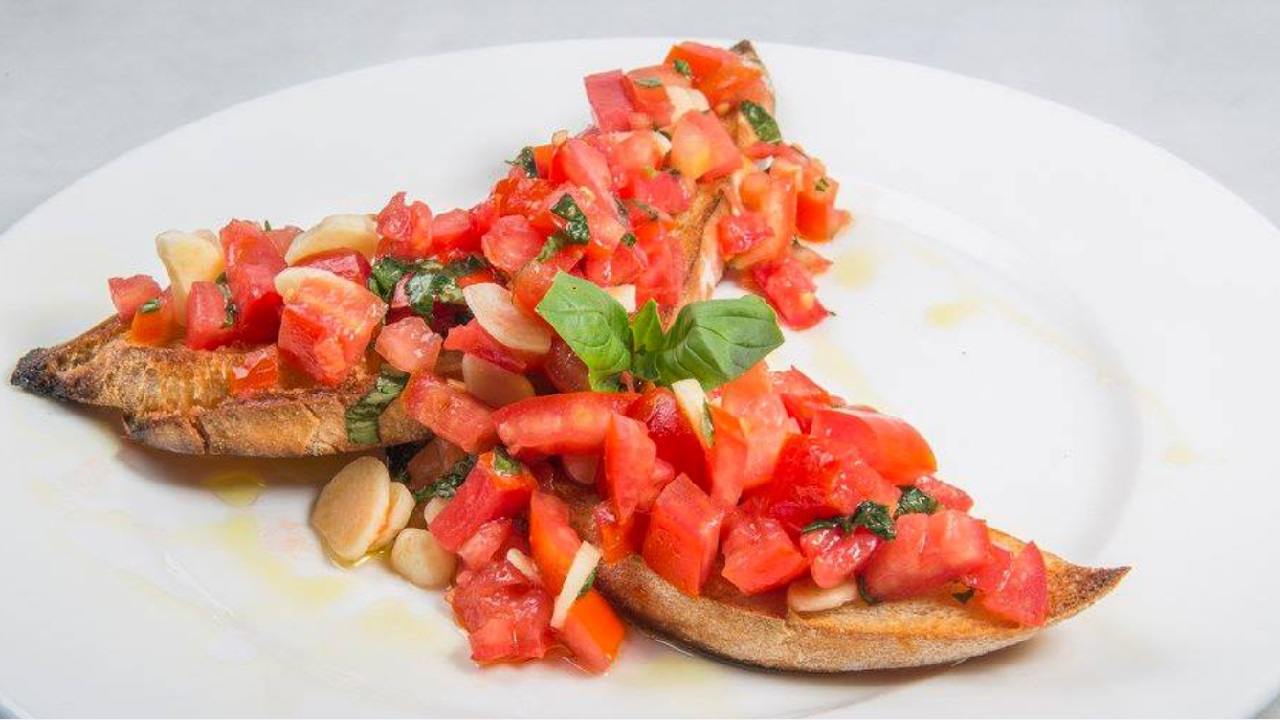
{"x": 869, "y": 514}
{"x": 592, "y": 323}
{"x": 224, "y": 287}
{"x": 524, "y": 160}
{"x": 591, "y": 581}
{"x": 648, "y": 82}
{"x": 448, "y": 483}
{"x": 504, "y": 464}
{"x": 362, "y": 418}
{"x": 914, "y": 500}
{"x": 150, "y": 306}
{"x": 576, "y": 231}
{"x": 765, "y": 127}
{"x": 683, "y": 68}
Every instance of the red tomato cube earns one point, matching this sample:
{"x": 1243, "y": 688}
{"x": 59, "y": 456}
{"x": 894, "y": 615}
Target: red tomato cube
{"x": 257, "y": 371}
{"x": 593, "y": 631}
{"x": 253, "y": 261}
{"x": 834, "y": 555}
{"x": 484, "y": 545}
{"x": 409, "y": 345}
{"x": 345, "y": 263}
{"x": 128, "y": 294}
{"x": 669, "y": 429}
{"x": 790, "y": 289}
{"x": 891, "y": 446}
{"x": 927, "y": 552}
{"x": 487, "y": 494}
{"x": 511, "y": 243}
{"x": 683, "y": 535}
{"x": 551, "y": 539}
{"x": 610, "y": 106}
{"x": 207, "y": 326}
{"x": 154, "y": 322}
{"x": 818, "y": 478}
{"x": 629, "y": 457}
{"x": 760, "y": 556}
{"x": 326, "y": 327}
{"x": 455, "y": 230}
{"x": 1013, "y": 587}
{"x": 405, "y": 229}
{"x": 574, "y": 423}
{"x": 949, "y": 496}
{"x": 507, "y": 616}
{"x": 449, "y": 412}
{"x": 701, "y": 147}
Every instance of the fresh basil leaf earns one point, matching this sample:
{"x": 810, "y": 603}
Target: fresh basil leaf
{"x": 424, "y": 288}
{"x": 914, "y": 500}
{"x": 150, "y": 306}
{"x": 765, "y": 127}
{"x": 384, "y": 275}
{"x": 447, "y": 484}
{"x": 963, "y": 596}
{"x": 504, "y": 464}
{"x": 362, "y": 418}
{"x": 576, "y": 231}
{"x": 628, "y": 239}
{"x": 524, "y": 160}
{"x": 648, "y": 82}
{"x": 224, "y": 287}
{"x": 874, "y": 517}
{"x": 592, "y": 323}
{"x": 647, "y": 335}
{"x": 549, "y": 248}
{"x": 683, "y": 68}
{"x": 466, "y": 266}
{"x": 715, "y": 341}
{"x": 839, "y": 522}
{"x": 591, "y": 581}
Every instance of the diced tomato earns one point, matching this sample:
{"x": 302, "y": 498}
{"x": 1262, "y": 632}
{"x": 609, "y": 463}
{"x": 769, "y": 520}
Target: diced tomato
{"x": 593, "y": 631}
{"x": 624, "y": 266}
{"x": 888, "y": 444}
{"x": 617, "y": 540}
{"x": 801, "y": 395}
{"x": 551, "y": 539}
{"x": 283, "y": 237}
{"x": 660, "y": 191}
{"x": 252, "y": 264}
{"x": 949, "y": 496}
{"x": 683, "y": 535}
{"x": 128, "y": 294}
{"x": 257, "y": 371}
{"x": 448, "y": 412}
{"x": 487, "y": 494}
{"x": 1013, "y": 587}
{"x": 405, "y": 229}
{"x": 474, "y": 340}
{"x": 702, "y": 60}
{"x": 611, "y": 108}
{"x": 531, "y": 284}
{"x": 674, "y": 439}
{"x": 646, "y": 90}
{"x": 760, "y": 556}
{"x": 604, "y": 226}
{"x": 629, "y": 456}
{"x": 343, "y": 262}
{"x": 834, "y": 556}
{"x": 507, "y": 616}
{"x": 564, "y": 368}
{"x": 740, "y": 233}
{"x": 638, "y": 152}
{"x": 790, "y": 289}
{"x": 808, "y": 257}
{"x": 326, "y": 327}
{"x": 733, "y": 82}
{"x": 483, "y": 545}
{"x": 542, "y": 158}
{"x": 555, "y": 424}
{"x": 514, "y": 195}
{"x": 455, "y": 230}
{"x": 154, "y": 324}
{"x": 701, "y": 147}
{"x": 928, "y": 552}
{"x": 817, "y": 218}
{"x": 819, "y": 478}
{"x": 761, "y": 424}
{"x": 772, "y": 195}
{"x": 207, "y": 317}
{"x": 511, "y": 243}
{"x": 409, "y": 345}
{"x": 663, "y": 279}
{"x": 582, "y": 164}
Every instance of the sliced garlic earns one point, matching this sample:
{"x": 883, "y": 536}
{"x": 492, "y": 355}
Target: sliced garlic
{"x": 804, "y": 596}
{"x": 352, "y": 508}
{"x": 684, "y": 100}
{"x": 524, "y": 564}
{"x": 625, "y": 295}
{"x": 188, "y": 257}
{"x": 692, "y": 401}
{"x": 433, "y": 508}
{"x": 580, "y": 573}
{"x": 398, "y": 514}
{"x": 419, "y": 558}
{"x": 497, "y": 314}
{"x": 492, "y": 385}
{"x": 336, "y": 232}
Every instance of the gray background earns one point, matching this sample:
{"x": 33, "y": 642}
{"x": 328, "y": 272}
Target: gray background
{"x": 81, "y": 82}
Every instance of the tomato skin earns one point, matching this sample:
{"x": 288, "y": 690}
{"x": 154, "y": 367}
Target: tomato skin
{"x": 128, "y": 294}
{"x": 1013, "y": 587}
{"x": 326, "y": 327}
{"x": 283, "y": 237}
{"x": 648, "y": 95}
{"x": 790, "y": 289}
{"x": 345, "y": 263}
{"x": 507, "y": 616}
{"x": 572, "y": 423}
{"x": 675, "y": 440}
{"x": 455, "y": 230}
{"x": 740, "y": 233}
{"x": 772, "y": 195}
{"x": 760, "y": 556}
{"x": 157, "y": 327}
{"x": 890, "y": 445}
{"x": 564, "y": 368}
{"x": 474, "y": 340}
{"x": 834, "y": 556}
{"x": 258, "y": 371}
{"x": 949, "y": 496}
{"x": 801, "y": 396}
{"x": 449, "y": 412}
{"x": 485, "y": 495}
{"x": 593, "y": 631}
{"x": 928, "y": 552}
{"x": 624, "y": 266}
{"x": 683, "y": 535}
{"x": 479, "y": 549}
{"x": 661, "y": 191}
{"x": 252, "y": 264}
{"x": 511, "y": 243}
{"x": 517, "y": 194}
{"x": 206, "y": 317}
{"x": 818, "y": 478}
{"x": 629, "y": 458}
{"x": 601, "y": 213}
{"x": 617, "y": 540}
{"x": 405, "y": 229}
{"x": 408, "y": 345}
{"x": 532, "y": 282}
{"x": 611, "y": 108}
{"x": 701, "y": 147}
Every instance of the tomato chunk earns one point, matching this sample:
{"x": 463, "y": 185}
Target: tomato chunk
{"x": 672, "y": 436}
{"x": 1013, "y": 587}
{"x": 551, "y": 539}
{"x": 611, "y": 108}
{"x": 448, "y": 412}
{"x": 326, "y": 326}
{"x": 629, "y": 456}
{"x": 927, "y": 552}
{"x": 949, "y": 496}
{"x": 683, "y": 535}
{"x": 801, "y": 395}
{"x": 209, "y": 324}
{"x": 344, "y": 262}
{"x": 582, "y": 164}
{"x": 474, "y": 340}
{"x": 455, "y": 230}
{"x": 659, "y": 191}
{"x": 594, "y": 632}
{"x": 790, "y": 289}
{"x": 617, "y": 540}
{"x": 740, "y": 233}
{"x": 834, "y": 556}
{"x": 252, "y": 264}
{"x": 405, "y": 229}
{"x": 481, "y": 548}
{"x": 819, "y": 478}
{"x": 817, "y": 218}
{"x": 564, "y": 368}
{"x": 128, "y": 294}
{"x": 762, "y": 426}
{"x": 487, "y": 494}
{"x": 663, "y": 279}
{"x": 409, "y": 345}
{"x": 256, "y": 372}
{"x": 760, "y": 556}
{"x": 153, "y": 323}
{"x": 511, "y": 243}
{"x": 507, "y": 616}
{"x": 773, "y": 196}
{"x": 701, "y": 147}
{"x": 573, "y": 423}
{"x": 891, "y": 446}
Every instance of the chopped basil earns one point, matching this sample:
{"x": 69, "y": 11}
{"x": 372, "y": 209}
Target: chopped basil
{"x": 591, "y": 580}
{"x": 708, "y": 428}
{"x": 524, "y": 160}
{"x": 384, "y": 275}
{"x": 231, "y": 310}
{"x": 550, "y": 247}
{"x": 866, "y": 596}
{"x": 712, "y": 341}
{"x": 425, "y": 287}
{"x": 448, "y": 483}
{"x": 821, "y": 185}
{"x": 362, "y": 418}
{"x": 398, "y": 457}
{"x": 840, "y": 522}
{"x": 150, "y": 306}
{"x": 645, "y": 208}
{"x": 683, "y": 68}
{"x": 648, "y": 82}
{"x": 871, "y": 515}
{"x": 963, "y": 596}
{"x": 628, "y": 239}
{"x": 914, "y": 500}
{"x": 576, "y": 231}
{"x": 504, "y": 464}
{"x": 266, "y": 225}
{"x": 765, "y": 127}
{"x": 429, "y": 281}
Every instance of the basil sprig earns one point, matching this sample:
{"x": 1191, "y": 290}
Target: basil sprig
{"x": 713, "y": 341}
{"x": 362, "y": 418}
{"x": 765, "y": 127}
{"x": 682, "y": 67}
{"x": 869, "y": 514}
{"x": 915, "y": 500}
{"x": 429, "y": 281}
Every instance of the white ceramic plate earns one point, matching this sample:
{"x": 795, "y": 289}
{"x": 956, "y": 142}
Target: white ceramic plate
{"x": 1082, "y": 324}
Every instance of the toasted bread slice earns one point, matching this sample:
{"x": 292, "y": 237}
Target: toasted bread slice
{"x": 762, "y": 631}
